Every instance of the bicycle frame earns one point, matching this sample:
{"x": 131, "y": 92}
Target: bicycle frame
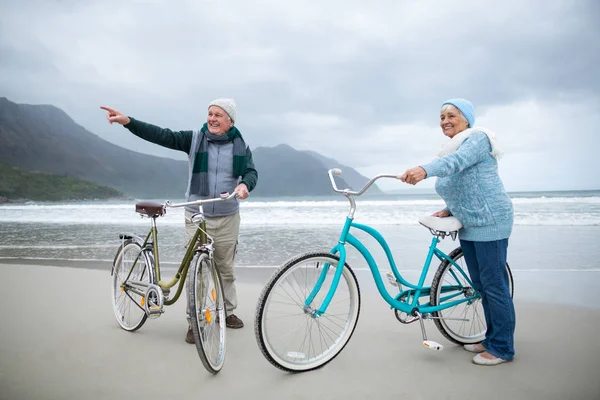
{"x": 151, "y": 239}
{"x": 139, "y": 292}
{"x": 413, "y": 294}
{"x": 198, "y": 243}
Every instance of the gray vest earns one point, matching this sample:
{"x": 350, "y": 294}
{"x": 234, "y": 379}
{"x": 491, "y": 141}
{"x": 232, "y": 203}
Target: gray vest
{"x": 220, "y": 178}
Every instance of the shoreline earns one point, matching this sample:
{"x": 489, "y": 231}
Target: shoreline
{"x": 587, "y": 192}
{"x": 561, "y": 287}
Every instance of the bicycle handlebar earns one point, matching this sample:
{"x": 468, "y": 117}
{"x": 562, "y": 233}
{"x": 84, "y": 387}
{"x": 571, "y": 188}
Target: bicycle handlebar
{"x": 224, "y": 196}
{"x": 338, "y": 172}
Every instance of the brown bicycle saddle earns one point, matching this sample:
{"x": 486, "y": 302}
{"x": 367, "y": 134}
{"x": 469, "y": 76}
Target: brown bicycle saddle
{"x": 150, "y": 208}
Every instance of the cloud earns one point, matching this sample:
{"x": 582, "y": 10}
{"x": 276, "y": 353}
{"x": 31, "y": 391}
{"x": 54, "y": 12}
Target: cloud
{"x": 357, "y": 81}
{"x": 545, "y": 146}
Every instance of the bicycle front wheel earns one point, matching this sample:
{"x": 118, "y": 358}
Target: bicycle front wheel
{"x": 463, "y": 323}
{"x": 128, "y": 305}
{"x": 207, "y": 313}
{"x": 288, "y": 334}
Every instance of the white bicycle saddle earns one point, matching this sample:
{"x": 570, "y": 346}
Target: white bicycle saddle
{"x": 446, "y": 224}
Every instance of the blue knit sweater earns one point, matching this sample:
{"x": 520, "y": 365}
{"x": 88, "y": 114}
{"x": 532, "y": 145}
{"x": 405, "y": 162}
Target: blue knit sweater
{"x": 469, "y": 183}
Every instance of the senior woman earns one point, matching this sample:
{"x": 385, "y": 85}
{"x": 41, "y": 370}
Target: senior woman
{"x": 468, "y": 181}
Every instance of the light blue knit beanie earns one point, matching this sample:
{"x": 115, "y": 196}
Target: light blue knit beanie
{"x": 465, "y": 107}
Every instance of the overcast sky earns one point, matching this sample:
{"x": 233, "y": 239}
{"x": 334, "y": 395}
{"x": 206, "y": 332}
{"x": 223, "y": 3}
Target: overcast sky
{"x": 358, "y": 81}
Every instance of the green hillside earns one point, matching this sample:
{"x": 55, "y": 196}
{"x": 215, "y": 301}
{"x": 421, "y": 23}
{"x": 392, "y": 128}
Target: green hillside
{"x": 18, "y": 184}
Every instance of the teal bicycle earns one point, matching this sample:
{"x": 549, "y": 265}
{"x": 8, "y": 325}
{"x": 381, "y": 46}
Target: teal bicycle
{"x": 308, "y": 310}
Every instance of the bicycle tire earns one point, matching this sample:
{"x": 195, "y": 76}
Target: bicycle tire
{"x": 473, "y": 310}
{"x": 287, "y": 281}
{"x": 127, "y": 305}
{"x": 207, "y": 313}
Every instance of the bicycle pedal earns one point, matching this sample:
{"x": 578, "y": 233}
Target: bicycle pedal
{"x": 154, "y": 300}
{"x": 430, "y": 344}
{"x": 392, "y": 278}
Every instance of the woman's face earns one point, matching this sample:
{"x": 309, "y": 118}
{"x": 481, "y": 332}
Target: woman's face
{"x": 218, "y": 121}
{"x": 452, "y": 121}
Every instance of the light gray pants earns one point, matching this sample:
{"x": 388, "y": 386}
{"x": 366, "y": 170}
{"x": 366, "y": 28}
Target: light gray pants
{"x": 225, "y": 231}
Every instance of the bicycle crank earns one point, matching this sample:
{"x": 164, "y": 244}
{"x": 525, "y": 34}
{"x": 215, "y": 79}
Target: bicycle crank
{"x": 404, "y": 317}
{"x": 153, "y": 301}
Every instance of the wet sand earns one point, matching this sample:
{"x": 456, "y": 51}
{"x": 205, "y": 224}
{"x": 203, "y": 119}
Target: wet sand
{"x": 59, "y": 340}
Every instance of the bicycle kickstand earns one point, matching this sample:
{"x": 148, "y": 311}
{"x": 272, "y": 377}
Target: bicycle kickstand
{"x": 430, "y": 344}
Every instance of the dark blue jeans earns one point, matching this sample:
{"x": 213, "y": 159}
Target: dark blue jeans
{"x": 486, "y": 262}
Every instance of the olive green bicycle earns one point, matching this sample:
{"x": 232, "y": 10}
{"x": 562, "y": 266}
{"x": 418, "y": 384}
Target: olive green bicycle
{"x": 139, "y": 293}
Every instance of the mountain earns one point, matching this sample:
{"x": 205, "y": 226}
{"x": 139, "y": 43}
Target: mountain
{"x": 44, "y": 138}
{"x": 284, "y": 171}
{"x": 350, "y": 175}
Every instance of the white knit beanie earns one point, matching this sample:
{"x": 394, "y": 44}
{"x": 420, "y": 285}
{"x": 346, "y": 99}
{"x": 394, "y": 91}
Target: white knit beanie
{"x": 226, "y": 104}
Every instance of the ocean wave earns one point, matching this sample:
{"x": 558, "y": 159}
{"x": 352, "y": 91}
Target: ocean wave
{"x": 312, "y": 220}
{"x": 294, "y": 204}
{"x": 551, "y": 200}
{"x": 337, "y": 203}
{"x": 576, "y": 211}
{"x": 55, "y": 246}
{"x": 67, "y": 207}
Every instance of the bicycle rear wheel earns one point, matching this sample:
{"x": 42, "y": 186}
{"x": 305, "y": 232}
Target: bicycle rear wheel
{"x": 450, "y": 285}
{"x": 207, "y": 312}
{"x": 127, "y": 304}
{"x": 288, "y": 335}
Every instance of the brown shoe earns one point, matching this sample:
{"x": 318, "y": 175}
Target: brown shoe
{"x": 189, "y": 336}
{"x": 233, "y": 322}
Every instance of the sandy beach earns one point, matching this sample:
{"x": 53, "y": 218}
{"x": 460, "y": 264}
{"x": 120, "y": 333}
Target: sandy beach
{"x": 59, "y": 340}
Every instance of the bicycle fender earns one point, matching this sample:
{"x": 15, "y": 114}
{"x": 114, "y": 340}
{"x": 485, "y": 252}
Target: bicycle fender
{"x": 131, "y": 236}
{"x": 126, "y": 237}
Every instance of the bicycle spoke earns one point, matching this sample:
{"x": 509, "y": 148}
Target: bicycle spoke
{"x": 292, "y": 335}
{"x": 129, "y": 311}
{"x": 209, "y": 315}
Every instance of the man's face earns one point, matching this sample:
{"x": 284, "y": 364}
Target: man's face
{"x": 218, "y": 121}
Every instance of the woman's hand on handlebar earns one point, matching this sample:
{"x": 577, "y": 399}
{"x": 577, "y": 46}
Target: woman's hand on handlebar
{"x": 414, "y": 175}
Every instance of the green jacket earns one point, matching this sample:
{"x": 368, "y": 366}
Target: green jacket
{"x": 219, "y": 180}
